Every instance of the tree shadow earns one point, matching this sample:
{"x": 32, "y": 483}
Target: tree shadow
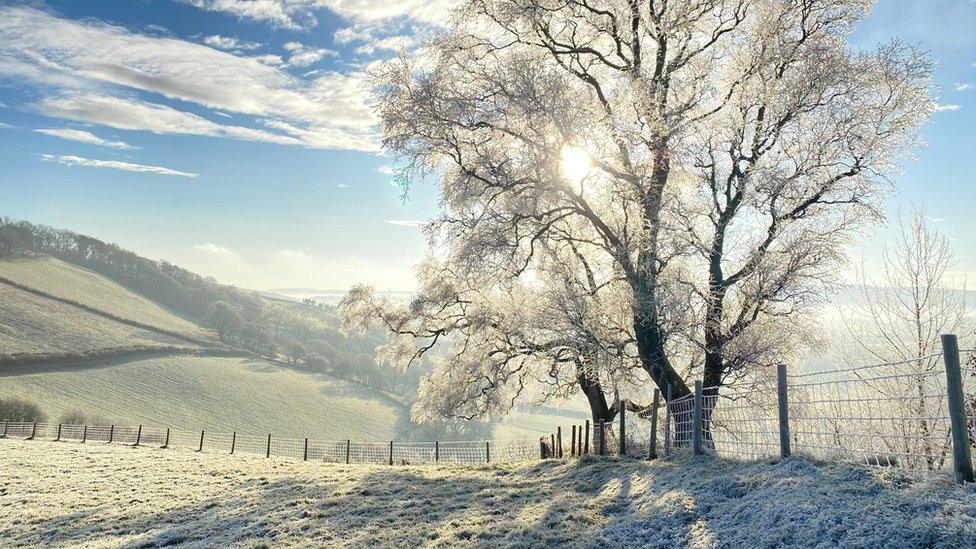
{"x": 585, "y": 502}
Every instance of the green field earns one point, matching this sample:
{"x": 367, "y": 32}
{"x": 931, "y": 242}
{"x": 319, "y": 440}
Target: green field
{"x": 216, "y": 394}
{"x": 34, "y": 324}
{"x": 185, "y": 392}
{"x": 67, "y": 281}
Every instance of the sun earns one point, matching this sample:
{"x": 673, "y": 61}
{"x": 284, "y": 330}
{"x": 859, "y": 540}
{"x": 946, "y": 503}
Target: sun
{"x": 575, "y": 163}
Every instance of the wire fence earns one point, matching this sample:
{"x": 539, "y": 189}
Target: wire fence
{"x": 893, "y": 414}
{"x": 341, "y": 451}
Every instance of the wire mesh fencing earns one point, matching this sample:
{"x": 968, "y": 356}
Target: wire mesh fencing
{"x": 270, "y": 445}
{"x": 894, "y": 414}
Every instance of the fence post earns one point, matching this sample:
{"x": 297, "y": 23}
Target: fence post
{"x": 138, "y": 436}
{"x": 166, "y": 442}
{"x": 33, "y": 431}
{"x": 559, "y": 441}
{"x": 391, "y": 452}
{"x": 305, "y": 455}
{"x": 59, "y": 433}
{"x": 962, "y": 461}
{"x": 268, "y": 453}
{"x": 784, "y": 411}
{"x": 437, "y": 451}
{"x": 542, "y": 447}
{"x": 623, "y": 427}
{"x": 572, "y": 446}
{"x": 111, "y": 434}
{"x": 5, "y": 425}
{"x": 696, "y": 425}
{"x": 586, "y": 441}
{"x": 487, "y": 452}
{"x": 201, "y": 442}
{"x": 667, "y": 422}
{"x": 652, "y": 445}
{"x": 603, "y": 438}
{"x": 84, "y": 434}
{"x": 348, "y": 443}
{"x": 233, "y": 441}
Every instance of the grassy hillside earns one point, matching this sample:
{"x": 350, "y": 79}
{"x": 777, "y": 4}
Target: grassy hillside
{"x": 65, "y": 494}
{"x": 212, "y": 393}
{"x": 67, "y": 281}
{"x": 33, "y": 324}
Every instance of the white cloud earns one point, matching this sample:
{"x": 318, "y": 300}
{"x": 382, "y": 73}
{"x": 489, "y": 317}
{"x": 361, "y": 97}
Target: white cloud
{"x": 405, "y": 222}
{"x": 343, "y": 186}
{"x": 963, "y": 86}
{"x": 301, "y": 14}
{"x": 132, "y": 114}
{"x": 211, "y": 248}
{"x": 947, "y": 107}
{"x": 303, "y": 56}
{"x": 5, "y": 125}
{"x": 68, "y": 160}
{"x": 84, "y": 137}
{"x": 230, "y": 43}
{"x": 99, "y": 60}
{"x": 386, "y": 170}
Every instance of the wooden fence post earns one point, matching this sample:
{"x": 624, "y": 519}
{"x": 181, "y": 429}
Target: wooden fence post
{"x": 391, "y": 452}
{"x": 623, "y": 428}
{"x": 696, "y": 422}
{"x": 111, "y": 434}
{"x": 667, "y": 422}
{"x": 138, "y": 436}
{"x": 782, "y": 398}
{"x": 603, "y": 438}
{"x": 59, "y": 433}
{"x": 586, "y": 440}
{"x": 542, "y": 447}
{"x": 305, "y": 455}
{"x": 233, "y": 441}
{"x": 572, "y": 446}
{"x": 200, "y": 449}
{"x": 84, "y": 434}
{"x": 552, "y": 445}
{"x": 268, "y": 453}
{"x": 33, "y": 431}
{"x": 6, "y": 424}
{"x": 487, "y": 452}
{"x": 348, "y": 444}
{"x": 559, "y": 441}
{"x": 437, "y": 451}
{"x": 166, "y": 442}
{"x": 962, "y": 461}
{"x": 652, "y": 445}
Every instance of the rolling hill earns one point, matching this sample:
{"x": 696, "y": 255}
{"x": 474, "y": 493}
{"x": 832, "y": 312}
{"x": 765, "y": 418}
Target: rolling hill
{"x": 98, "y": 347}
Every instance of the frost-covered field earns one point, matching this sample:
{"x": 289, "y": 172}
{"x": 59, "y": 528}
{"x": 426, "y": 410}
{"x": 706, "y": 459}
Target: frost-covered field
{"x": 66, "y": 494}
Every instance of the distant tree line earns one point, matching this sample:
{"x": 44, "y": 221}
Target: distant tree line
{"x": 303, "y": 334}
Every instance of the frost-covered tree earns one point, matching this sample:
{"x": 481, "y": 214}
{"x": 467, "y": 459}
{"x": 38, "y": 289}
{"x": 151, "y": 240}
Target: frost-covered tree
{"x": 708, "y": 159}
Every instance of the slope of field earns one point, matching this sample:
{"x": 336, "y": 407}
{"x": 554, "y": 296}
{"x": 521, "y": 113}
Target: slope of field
{"x": 212, "y": 393}
{"x": 34, "y": 324}
{"x": 60, "y": 494}
{"x": 67, "y": 281}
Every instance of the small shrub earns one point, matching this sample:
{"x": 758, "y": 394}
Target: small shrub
{"x": 19, "y": 409}
{"x": 80, "y": 417}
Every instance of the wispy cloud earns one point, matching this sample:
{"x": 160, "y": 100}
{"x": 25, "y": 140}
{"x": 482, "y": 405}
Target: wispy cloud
{"x": 68, "y": 160}
{"x": 230, "y": 43}
{"x": 963, "y": 86}
{"x": 211, "y": 248}
{"x": 5, "y": 125}
{"x": 301, "y": 14}
{"x": 76, "y": 58}
{"x": 404, "y": 222}
{"x": 303, "y": 56}
{"x": 948, "y": 107}
{"x": 82, "y": 136}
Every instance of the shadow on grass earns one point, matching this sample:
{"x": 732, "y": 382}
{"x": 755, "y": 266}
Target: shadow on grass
{"x": 588, "y": 502}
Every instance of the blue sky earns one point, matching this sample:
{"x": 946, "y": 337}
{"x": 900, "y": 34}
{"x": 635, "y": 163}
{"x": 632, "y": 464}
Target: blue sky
{"x": 233, "y": 137}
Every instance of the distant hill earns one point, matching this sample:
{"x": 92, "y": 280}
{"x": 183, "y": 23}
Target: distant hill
{"x": 329, "y": 296}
